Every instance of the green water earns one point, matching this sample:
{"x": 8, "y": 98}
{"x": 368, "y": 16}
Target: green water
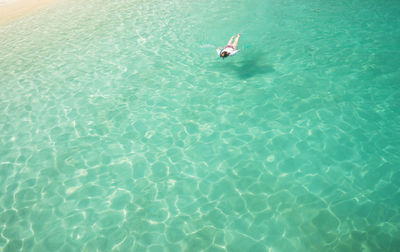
{"x": 121, "y": 129}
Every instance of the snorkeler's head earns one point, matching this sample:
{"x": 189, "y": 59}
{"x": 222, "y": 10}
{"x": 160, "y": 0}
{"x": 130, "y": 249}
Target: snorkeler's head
{"x": 224, "y": 54}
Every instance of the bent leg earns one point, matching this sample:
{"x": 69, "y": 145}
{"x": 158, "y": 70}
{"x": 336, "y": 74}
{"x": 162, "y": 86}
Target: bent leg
{"x": 236, "y": 41}
{"x": 230, "y": 41}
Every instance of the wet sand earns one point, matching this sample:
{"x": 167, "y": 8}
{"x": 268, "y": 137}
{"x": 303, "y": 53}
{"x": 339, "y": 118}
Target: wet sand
{"x": 14, "y": 9}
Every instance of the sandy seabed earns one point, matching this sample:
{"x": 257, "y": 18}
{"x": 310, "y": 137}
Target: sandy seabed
{"x": 14, "y": 9}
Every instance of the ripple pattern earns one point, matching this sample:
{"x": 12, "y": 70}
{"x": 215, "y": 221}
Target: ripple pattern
{"x": 120, "y": 129}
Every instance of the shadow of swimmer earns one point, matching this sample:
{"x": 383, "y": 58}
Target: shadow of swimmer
{"x": 251, "y": 65}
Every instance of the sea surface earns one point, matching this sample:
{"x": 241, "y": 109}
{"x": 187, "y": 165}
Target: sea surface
{"x": 122, "y": 130}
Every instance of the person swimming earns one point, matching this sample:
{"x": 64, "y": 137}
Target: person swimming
{"x": 230, "y": 49}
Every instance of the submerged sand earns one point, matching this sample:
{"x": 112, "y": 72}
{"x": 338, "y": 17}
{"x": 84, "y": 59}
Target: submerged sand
{"x": 14, "y": 9}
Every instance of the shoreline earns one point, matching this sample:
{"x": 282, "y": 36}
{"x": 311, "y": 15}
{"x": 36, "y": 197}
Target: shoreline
{"x": 15, "y": 9}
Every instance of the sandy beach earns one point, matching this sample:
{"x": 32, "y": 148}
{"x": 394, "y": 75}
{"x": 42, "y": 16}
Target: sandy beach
{"x": 11, "y": 10}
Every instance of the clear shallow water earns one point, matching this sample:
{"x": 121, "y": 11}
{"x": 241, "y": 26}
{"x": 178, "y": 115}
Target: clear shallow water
{"x": 121, "y": 130}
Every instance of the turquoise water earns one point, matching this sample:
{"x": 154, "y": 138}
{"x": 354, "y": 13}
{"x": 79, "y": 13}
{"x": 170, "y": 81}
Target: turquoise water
{"x": 121, "y": 130}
